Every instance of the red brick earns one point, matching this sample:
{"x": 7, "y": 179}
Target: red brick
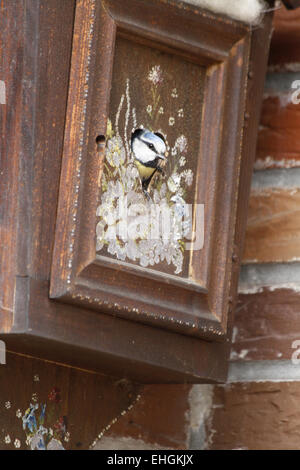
{"x": 266, "y": 325}
{"x": 278, "y": 142}
{"x": 285, "y": 45}
{"x": 273, "y": 226}
{"x": 256, "y": 416}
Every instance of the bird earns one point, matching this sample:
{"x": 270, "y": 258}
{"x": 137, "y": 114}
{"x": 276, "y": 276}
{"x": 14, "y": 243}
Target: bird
{"x": 149, "y": 149}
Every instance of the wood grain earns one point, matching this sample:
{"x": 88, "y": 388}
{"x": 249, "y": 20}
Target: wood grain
{"x": 10, "y": 147}
{"x": 247, "y": 414}
{"x": 24, "y": 380}
{"x": 266, "y": 324}
{"x": 278, "y": 137}
{"x": 87, "y": 323}
{"x": 272, "y": 233}
{"x": 284, "y": 53}
{"x": 75, "y": 268}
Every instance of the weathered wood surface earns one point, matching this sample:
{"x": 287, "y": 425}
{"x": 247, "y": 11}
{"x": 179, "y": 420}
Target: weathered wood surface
{"x": 79, "y": 404}
{"x": 284, "y": 53}
{"x": 78, "y": 331}
{"x": 266, "y": 325}
{"x": 246, "y": 415}
{"x": 273, "y": 226}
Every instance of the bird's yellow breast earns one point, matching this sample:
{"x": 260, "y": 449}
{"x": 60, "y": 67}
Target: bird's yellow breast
{"x": 144, "y": 171}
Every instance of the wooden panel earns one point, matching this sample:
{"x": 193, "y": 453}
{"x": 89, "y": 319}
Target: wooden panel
{"x": 245, "y": 416}
{"x": 156, "y": 97}
{"x": 91, "y": 325}
{"x": 179, "y": 27}
{"x": 197, "y": 305}
{"x": 273, "y": 226}
{"x": 10, "y": 71}
{"x": 96, "y": 341}
{"x": 256, "y": 78}
{"x": 154, "y": 419}
{"x": 36, "y": 96}
{"x": 52, "y": 76}
{"x": 284, "y": 53}
{"x": 27, "y": 385}
{"x": 266, "y": 324}
{"x": 278, "y": 143}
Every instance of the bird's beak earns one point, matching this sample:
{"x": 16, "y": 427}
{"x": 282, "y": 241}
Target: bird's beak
{"x": 162, "y": 157}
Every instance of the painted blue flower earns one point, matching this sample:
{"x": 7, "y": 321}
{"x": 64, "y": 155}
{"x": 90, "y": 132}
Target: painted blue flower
{"x": 42, "y": 414}
{"x": 29, "y": 419}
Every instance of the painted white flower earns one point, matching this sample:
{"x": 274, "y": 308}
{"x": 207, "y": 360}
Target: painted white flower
{"x": 129, "y": 178}
{"x": 188, "y": 176}
{"x": 181, "y": 144}
{"x": 174, "y": 182}
{"x": 132, "y": 250}
{"x": 34, "y": 397}
{"x": 129, "y": 226}
{"x": 121, "y": 252}
{"x": 144, "y": 244}
{"x": 17, "y": 443}
{"x": 100, "y": 235}
{"x": 155, "y": 75}
{"x": 7, "y": 439}
{"x": 182, "y": 161}
{"x": 67, "y": 437}
{"x": 18, "y": 413}
{"x": 36, "y": 378}
{"x": 177, "y": 199}
{"x": 179, "y": 206}
{"x": 7, "y": 405}
{"x": 115, "y": 152}
{"x": 177, "y": 260}
{"x": 163, "y": 190}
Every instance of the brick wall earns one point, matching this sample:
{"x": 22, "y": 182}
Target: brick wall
{"x": 260, "y": 408}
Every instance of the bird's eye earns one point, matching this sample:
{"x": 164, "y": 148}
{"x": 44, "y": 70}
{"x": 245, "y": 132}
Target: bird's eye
{"x": 151, "y": 146}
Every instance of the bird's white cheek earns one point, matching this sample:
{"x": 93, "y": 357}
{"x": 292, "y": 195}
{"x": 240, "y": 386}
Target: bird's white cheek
{"x": 142, "y": 151}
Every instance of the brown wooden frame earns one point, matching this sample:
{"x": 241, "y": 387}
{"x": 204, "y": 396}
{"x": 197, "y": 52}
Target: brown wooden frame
{"x": 78, "y": 276}
{"x": 83, "y": 324}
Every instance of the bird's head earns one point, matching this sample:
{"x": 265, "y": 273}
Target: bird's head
{"x": 148, "y": 146}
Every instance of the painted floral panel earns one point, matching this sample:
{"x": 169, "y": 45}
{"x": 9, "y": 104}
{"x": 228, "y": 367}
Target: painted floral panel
{"x": 163, "y": 93}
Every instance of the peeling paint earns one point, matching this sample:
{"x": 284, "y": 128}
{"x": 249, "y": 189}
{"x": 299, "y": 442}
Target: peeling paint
{"x": 245, "y": 289}
{"x": 2, "y": 92}
{"x": 263, "y": 371}
{"x": 201, "y": 400}
{"x": 291, "y": 67}
{"x": 125, "y": 443}
{"x": 276, "y": 178}
{"x": 269, "y": 276}
{"x": 291, "y": 286}
{"x": 234, "y": 334}
{"x": 241, "y": 355}
{"x": 271, "y": 162}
